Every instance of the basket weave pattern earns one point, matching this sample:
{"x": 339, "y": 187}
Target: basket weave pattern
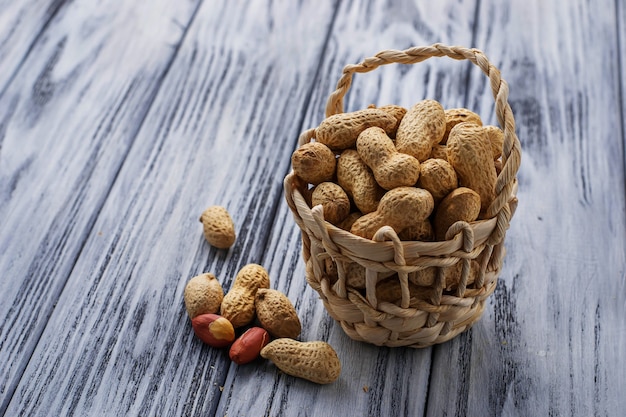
{"x": 442, "y": 312}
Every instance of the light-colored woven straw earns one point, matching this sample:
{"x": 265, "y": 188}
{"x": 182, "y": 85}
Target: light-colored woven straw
{"x": 439, "y": 312}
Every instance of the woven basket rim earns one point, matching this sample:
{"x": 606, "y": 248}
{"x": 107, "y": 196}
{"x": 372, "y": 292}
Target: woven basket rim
{"x": 413, "y": 249}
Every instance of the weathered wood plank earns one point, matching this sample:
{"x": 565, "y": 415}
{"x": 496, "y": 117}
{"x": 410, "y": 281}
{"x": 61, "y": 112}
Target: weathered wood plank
{"x": 113, "y": 142}
{"x": 68, "y": 121}
{"x": 21, "y": 24}
{"x": 375, "y": 381}
{"x": 620, "y": 21}
{"x": 549, "y": 343}
{"x": 119, "y": 341}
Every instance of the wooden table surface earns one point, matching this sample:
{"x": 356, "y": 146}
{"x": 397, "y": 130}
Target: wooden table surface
{"x": 121, "y": 121}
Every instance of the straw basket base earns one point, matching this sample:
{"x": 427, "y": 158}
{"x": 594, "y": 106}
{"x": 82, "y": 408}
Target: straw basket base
{"x": 390, "y": 325}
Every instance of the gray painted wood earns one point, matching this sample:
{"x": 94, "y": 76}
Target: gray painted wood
{"x": 120, "y": 122}
{"x": 181, "y": 161}
{"x": 69, "y": 119}
{"x": 21, "y": 25}
{"x": 549, "y": 343}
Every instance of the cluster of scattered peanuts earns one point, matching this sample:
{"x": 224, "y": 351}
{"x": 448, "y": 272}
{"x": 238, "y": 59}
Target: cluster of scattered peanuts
{"x": 251, "y": 319}
{"x": 418, "y": 170}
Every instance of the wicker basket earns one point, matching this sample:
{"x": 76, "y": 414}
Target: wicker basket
{"x": 442, "y": 313}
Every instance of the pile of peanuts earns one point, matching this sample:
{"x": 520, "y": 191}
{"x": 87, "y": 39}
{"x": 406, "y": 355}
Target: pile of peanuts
{"x": 252, "y": 320}
{"x": 417, "y": 170}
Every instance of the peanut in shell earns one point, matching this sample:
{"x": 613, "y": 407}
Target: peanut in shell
{"x": 340, "y": 131}
{"x": 421, "y": 128}
{"x": 314, "y": 163}
{"x": 315, "y": 361}
{"x": 470, "y": 153}
{"x": 277, "y": 314}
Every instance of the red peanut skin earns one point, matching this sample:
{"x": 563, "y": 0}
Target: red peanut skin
{"x": 202, "y": 327}
{"x": 248, "y": 346}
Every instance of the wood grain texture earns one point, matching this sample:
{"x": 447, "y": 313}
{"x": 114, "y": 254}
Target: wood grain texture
{"x": 620, "y": 22}
{"x": 121, "y": 122}
{"x": 211, "y": 137}
{"x": 374, "y": 381}
{"x": 68, "y": 121}
{"x": 21, "y": 25}
{"x": 550, "y": 325}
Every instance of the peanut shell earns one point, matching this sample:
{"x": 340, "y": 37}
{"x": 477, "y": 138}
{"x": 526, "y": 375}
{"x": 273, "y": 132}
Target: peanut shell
{"x": 347, "y": 223}
{"x": 333, "y": 199}
{"x": 437, "y": 177}
{"x": 219, "y": 229}
{"x": 399, "y": 208}
{"x": 452, "y": 274}
{"x": 469, "y": 152}
{"x": 439, "y": 151}
{"x": 238, "y": 303}
{"x": 314, "y": 361}
{"x": 421, "y": 128}
{"x": 424, "y": 277}
{"x": 276, "y": 313}
{"x": 358, "y": 182}
{"x": 496, "y": 139}
{"x": 391, "y": 168}
{"x": 422, "y": 231}
{"x": 314, "y": 163}
{"x": 390, "y": 290}
{"x": 340, "y": 131}
{"x": 203, "y": 294}
{"x": 456, "y": 116}
{"x": 398, "y": 113}
{"x": 462, "y": 204}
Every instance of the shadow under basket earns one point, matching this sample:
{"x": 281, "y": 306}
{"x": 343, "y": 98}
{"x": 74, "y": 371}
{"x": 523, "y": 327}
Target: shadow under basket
{"x": 433, "y": 290}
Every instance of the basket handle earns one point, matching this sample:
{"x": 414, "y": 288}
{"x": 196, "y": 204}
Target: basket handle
{"x": 511, "y": 152}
